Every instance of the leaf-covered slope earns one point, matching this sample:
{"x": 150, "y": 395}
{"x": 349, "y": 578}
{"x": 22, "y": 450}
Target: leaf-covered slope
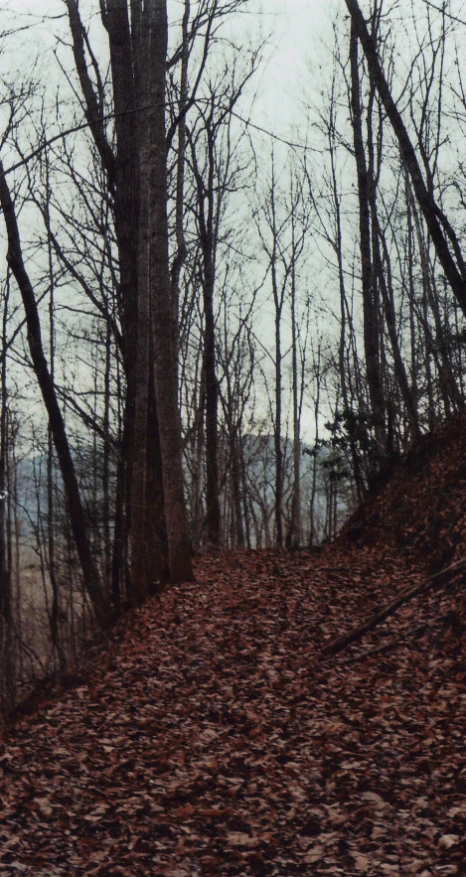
{"x": 213, "y": 737}
{"x": 421, "y": 511}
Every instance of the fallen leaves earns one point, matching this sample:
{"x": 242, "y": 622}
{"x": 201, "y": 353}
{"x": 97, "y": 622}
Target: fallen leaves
{"x": 216, "y": 740}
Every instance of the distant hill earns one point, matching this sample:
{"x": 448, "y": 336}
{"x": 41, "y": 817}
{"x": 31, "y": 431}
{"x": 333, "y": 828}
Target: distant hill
{"x": 259, "y": 455}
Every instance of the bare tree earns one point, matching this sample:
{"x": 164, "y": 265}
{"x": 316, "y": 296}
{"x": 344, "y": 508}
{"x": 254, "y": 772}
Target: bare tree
{"x": 441, "y": 232}
{"x": 370, "y": 298}
{"x": 7, "y": 652}
{"x": 15, "y": 260}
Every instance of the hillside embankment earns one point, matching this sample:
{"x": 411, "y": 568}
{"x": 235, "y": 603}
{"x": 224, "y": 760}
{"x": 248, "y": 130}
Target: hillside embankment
{"x": 421, "y": 511}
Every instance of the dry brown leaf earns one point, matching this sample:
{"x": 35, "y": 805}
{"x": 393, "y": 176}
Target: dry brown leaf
{"x": 375, "y": 799}
{"x": 446, "y": 841}
{"x": 314, "y": 855}
{"x": 44, "y": 807}
{"x": 361, "y": 862}
{"x": 241, "y": 839}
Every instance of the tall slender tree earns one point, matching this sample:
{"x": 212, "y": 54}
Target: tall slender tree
{"x": 90, "y": 571}
{"x": 370, "y": 297}
{"x": 441, "y": 232}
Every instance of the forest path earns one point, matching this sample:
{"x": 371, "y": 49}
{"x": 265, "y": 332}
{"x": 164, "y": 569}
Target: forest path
{"x": 213, "y": 737}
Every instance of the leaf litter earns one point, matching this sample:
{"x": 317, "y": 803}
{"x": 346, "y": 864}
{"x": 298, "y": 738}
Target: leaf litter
{"x": 215, "y": 736}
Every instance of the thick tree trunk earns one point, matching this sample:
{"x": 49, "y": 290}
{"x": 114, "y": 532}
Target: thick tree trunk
{"x": 164, "y": 317}
{"x": 15, "y": 259}
{"x": 139, "y": 463}
{"x": 147, "y": 565}
{"x": 140, "y": 574}
{"x": 156, "y": 545}
{"x": 127, "y": 212}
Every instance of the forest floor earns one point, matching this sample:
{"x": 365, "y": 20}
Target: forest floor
{"x": 214, "y": 735}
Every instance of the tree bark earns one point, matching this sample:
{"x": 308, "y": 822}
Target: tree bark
{"x": 295, "y": 525}
{"x": 208, "y": 234}
{"x": 209, "y": 364}
{"x": 278, "y": 297}
{"x": 137, "y": 513}
{"x": 7, "y": 649}
{"x": 164, "y": 317}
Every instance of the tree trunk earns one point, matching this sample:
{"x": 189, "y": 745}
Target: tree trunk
{"x": 207, "y": 234}
{"x": 369, "y": 292}
{"x": 140, "y": 573}
{"x": 346, "y": 324}
{"x": 7, "y": 653}
{"x": 278, "y": 429}
{"x": 383, "y": 283}
{"x": 211, "y": 387}
{"x": 295, "y": 528}
{"x": 164, "y": 317}
{"x": 129, "y": 45}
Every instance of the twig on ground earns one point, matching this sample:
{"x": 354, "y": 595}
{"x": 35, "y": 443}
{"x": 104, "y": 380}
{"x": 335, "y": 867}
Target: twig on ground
{"x": 386, "y": 647}
{"x": 342, "y": 642}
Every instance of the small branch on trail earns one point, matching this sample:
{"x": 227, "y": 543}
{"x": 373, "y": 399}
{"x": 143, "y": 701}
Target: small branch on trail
{"x": 342, "y": 642}
{"x": 387, "y": 647}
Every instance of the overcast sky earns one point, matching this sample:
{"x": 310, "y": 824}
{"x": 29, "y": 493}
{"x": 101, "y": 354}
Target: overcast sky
{"x": 297, "y": 30}
{"x": 300, "y": 41}
{"x": 300, "y": 32}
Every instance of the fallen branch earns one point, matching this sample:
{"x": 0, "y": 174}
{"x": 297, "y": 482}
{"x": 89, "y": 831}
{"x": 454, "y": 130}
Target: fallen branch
{"x": 387, "y": 647}
{"x": 342, "y": 642}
